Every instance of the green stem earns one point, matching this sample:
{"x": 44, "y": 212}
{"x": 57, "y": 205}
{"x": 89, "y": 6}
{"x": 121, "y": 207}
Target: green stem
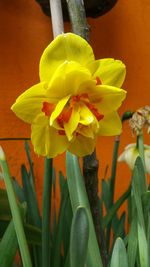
{"x": 46, "y": 213}
{"x": 126, "y": 116}
{"x": 112, "y": 184}
{"x": 140, "y": 146}
{"x": 112, "y": 211}
{"x": 114, "y": 167}
{"x": 15, "y": 213}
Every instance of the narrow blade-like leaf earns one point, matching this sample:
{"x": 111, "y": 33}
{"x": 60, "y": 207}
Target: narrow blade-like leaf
{"x": 8, "y": 246}
{"x": 119, "y": 255}
{"x": 79, "y": 238}
{"x": 78, "y": 198}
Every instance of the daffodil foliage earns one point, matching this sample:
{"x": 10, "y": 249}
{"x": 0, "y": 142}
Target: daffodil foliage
{"x": 76, "y": 100}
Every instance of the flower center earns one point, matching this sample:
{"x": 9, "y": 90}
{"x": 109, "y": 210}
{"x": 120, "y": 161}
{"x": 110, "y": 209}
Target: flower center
{"x": 65, "y": 115}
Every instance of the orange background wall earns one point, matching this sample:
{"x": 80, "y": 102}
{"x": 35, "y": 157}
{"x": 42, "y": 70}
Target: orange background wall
{"x": 123, "y": 33}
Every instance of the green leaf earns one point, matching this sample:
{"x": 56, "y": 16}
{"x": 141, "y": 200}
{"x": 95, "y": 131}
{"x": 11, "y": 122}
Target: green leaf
{"x": 142, "y": 176}
{"x": 78, "y": 198}
{"x": 18, "y": 190}
{"x": 27, "y": 149}
{"x": 33, "y": 210}
{"x": 129, "y": 202}
{"x": 106, "y": 193}
{"x": 33, "y": 214}
{"x": 132, "y": 242}
{"x": 120, "y": 229}
{"x": 119, "y": 255}
{"x": 100, "y": 207}
{"x": 15, "y": 265}
{"x": 33, "y": 234}
{"x": 67, "y": 226}
{"x": 148, "y": 236}
{"x": 146, "y": 206}
{"x": 109, "y": 216}
{"x": 67, "y": 261}
{"x": 15, "y": 213}
{"x": 62, "y": 181}
{"x": 58, "y": 234}
{"x": 138, "y": 261}
{"x": 143, "y": 247}
{"x": 137, "y": 193}
{"x": 140, "y": 146}
{"x": 8, "y": 246}
{"x": 79, "y": 238}
{"x": 5, "y": 212}
{"x": 48, "y": 171}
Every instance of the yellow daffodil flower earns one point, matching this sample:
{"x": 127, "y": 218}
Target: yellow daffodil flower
{"x": 76, "y": 100}
{"x": 131, "y": 153}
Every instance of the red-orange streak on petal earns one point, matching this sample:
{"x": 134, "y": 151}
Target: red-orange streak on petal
{"x": 64, "y": 116}
{"x": 98, "y": 115}
{"x": 85, "y": 98}
{"x": 95, "y": 112}
{"x": 77, "y": 98}
{"x": 98, "y": 81}
{"x": 61, "y": 132}
{"x": 48, "y": 108}
{"x": 67, "y": 114}
{"x": 60, "y": 120}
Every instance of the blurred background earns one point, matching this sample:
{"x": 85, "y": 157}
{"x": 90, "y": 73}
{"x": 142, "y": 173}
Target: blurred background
{"x": 122, "y": 33}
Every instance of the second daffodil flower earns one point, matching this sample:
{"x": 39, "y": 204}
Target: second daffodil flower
{"x": 76, "y": 100}
{"x": 131, "y": 153}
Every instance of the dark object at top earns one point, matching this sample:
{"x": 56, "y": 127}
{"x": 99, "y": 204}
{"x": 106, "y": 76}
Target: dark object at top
{"x": 94, "y": 8}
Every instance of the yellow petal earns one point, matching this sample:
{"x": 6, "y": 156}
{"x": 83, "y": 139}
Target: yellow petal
{"x": 110, "y": 125}
{"x": 29, "y": 104}
{"x": 82, "y": 146}
{"x": 111, "y": 98}
{"x": 86, "y": 131}
{"x": 67, "y": 79}
{"x": 72, "y": 124}
{"x": 110, "y": 71}
{"x": 86, "y": 86}
{"x": 64, "y": 47}
{"x": 46, "y": 140}
{"x": 58, "y": 109}
{"x": 86, "y": 116}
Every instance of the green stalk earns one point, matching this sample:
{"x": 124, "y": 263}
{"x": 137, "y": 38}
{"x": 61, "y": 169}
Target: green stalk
{"x": 114, "y": 208}
{"x": 46, "y": 213}
{"x": 114, "y": 167}
{"x": 140, "y": 146}
{"x": 15, "y": 213}
{"x": 112, "y": 184}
